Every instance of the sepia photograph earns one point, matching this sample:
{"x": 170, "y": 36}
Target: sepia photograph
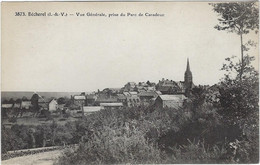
{"x": 129, "y": 83}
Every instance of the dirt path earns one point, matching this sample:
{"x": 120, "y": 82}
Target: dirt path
{"x": 45, "y": 158}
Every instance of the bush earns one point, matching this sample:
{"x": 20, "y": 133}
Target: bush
{"x": 197, "y": 152}
{"x": 12, "y": 119}
{"x": 121, "y": 145}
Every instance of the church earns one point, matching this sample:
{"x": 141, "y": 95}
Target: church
{"x": 177, "y": 87}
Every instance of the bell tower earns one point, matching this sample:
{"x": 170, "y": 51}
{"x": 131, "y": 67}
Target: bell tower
{"x": 188, "y": 77}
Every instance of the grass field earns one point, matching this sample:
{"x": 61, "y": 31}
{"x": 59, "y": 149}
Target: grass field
{"x": 30, "y": 120}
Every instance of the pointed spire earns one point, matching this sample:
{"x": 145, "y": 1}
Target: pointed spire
{"x": 188, "y": 65}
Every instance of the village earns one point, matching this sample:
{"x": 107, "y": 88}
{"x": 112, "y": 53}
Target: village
{"x": 156, "y": 86}
{"x": 166, "y": 93}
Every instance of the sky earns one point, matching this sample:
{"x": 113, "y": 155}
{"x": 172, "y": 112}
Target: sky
{"x": 75, "y": 54}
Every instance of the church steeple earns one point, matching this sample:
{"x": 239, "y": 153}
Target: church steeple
{"x": 188, "y": 65}
{"x": 188, "y": 76}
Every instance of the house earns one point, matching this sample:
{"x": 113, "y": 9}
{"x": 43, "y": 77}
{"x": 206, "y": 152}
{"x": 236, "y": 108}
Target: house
{"x": 53, "y": 105}
{"x": 165, "y": 89}
{"x": 129, "y": 86}
{"x": 122, "y": 98}
{"x": 170, "y": 101}
{"x": 151, "y": 88}
{"x": 90, "y": 99}
{"x": 133, "y": 101}
{"x": 147, "y": 95}
{"x": 100, "y": 100}
{"x": 91, "y": 109}
{"x": 7, "y": 106}
{"x": 111, "y": 91}
{"x": 44, "y": 103}
{"x": 61, "y": 106}
{"x": 111, "y": 105}
{"x": 126, "y": 94}
{"x": 79, "y": 100}
{"x": 133, "y": 93}
{"x": 17, "y": 105}
{"x": 145, "y": 86}
{"x": 26, "y": 105}
{"x": 171, "y": 87}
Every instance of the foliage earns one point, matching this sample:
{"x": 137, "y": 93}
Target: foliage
{"x": 24, "y": 98}
{"x": 135, "y": 135}
{"x": 223, "y": 129}
{"x": 239, "y": 97}
{"x": 238, "y": 17}
{"x": 11, "y": 101}
{"x": 197, "y": 152}
{"x": 14, "y": 138}
{"x": 34, "y": 102}
{"x": 12, "y": 119}
{"x": 61, "y": 100}
{"x": 5, "y": 102}
{"x": 120, "y": 145}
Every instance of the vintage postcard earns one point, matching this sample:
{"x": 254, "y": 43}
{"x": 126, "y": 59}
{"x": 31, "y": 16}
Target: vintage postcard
{"x": 129, "y": 82}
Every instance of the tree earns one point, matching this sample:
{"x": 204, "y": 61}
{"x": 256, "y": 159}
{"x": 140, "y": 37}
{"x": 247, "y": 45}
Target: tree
{"x": 24, "y": 98}
{"x": 239, "y": 107}
{"x": 11, "y": 101}
{"x": 148, "y": 83}
{"x": 61, "y": 100}
{"x": 18, "y": 101}
{"x": 239, "y": 18}
{"x": 239, "y": 95}
{"x": 5, "y": 102}
{"x": 34, "y": 101}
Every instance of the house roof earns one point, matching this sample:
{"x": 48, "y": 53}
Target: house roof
{"x": 164, "y": 88}
{"x": 181, "y": 85}
{"x": 121, "y": 96}
{"x": 132, "y": 97}
{"x": 61, "y": 105}
{"x": 92, "y": 108}
{"x": 44, "y": 100}
{"x": 115, "y": 89}
{"x": 126, "y": 93}
{"x": 133, "y": 93}
{"x": 26, "y": 104}
{"x": 111, "y": 104}
{"x": 44, "y": 105}
{"x": 17, "y": 105}
{"x": 131, "y": 83}
{"x": 7, "y": 105}
{"x": 53, "y": 100}
{"x": 141, "y": 90}
{"x": 148, "y": 93}
{"x": 79, "y": 97}
{"x": 91, "y": 96}
{"x": 172, "y": 97}
{"x": 105, "y": 100}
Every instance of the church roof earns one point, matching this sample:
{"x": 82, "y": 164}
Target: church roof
{"x": 188, "y": 68}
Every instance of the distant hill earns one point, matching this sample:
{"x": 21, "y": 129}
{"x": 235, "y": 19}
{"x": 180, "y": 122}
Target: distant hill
{"x": 16, "y": 95}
